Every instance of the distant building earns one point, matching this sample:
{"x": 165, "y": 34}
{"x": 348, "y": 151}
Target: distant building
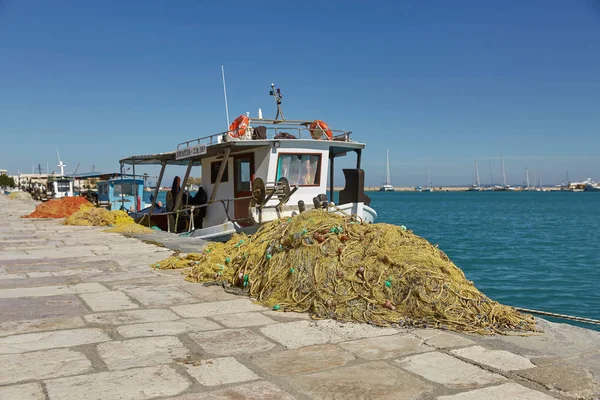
{"x": 3, "y": 172}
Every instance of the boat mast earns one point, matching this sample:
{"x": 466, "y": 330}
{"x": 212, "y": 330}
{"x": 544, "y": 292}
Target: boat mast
{"x": 387, "y": 171}
{"x": 527, "y": 177}
{"x": 477, "y": 173}
{"x": 429, "y": 177}
{"x": 225, "y": 94}
{"x": 491, "y": 173}
{"x": 503, "y": 173}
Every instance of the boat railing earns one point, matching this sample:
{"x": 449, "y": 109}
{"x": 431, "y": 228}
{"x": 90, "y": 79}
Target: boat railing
{"x": 189, "y": 211}
{"x": 277, "y": 130}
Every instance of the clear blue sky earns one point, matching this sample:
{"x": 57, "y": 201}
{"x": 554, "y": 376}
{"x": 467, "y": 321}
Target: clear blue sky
{"x": 439, "y": 83}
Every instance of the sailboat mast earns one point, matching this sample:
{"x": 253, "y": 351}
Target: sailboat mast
{"x": 477, "y": 173}
{"x": 491, "y": 173}
{"x": 429, "y": 177}
{"x": 387, "y": 170}
{"x": 503, "y": 173}
{"x": 527, "y": 177}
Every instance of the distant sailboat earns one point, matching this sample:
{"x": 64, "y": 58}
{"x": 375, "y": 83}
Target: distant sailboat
{"x": 477, "y": 186}
{"x": 505, "y": 187}
{"x": 430, "y": 188}
{"x": 387, "y": 185}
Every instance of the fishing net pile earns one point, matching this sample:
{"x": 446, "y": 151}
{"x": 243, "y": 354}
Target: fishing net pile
{"x": 59, "y": 208}
{"x": 117, "y": 220}
{"x": 336, "y": 267}
{"x": 24, "y": 196}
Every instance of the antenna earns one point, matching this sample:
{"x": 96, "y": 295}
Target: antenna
{"x": 225, "y": 94}
{"x": 278, "y": 96}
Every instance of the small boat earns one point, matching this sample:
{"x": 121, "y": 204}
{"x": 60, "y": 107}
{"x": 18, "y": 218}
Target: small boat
{"x": 257, "y": 171}
{"x": 121, "y": 193}
{"x": 591, "y": 186}
{"x": 387, "y": 184}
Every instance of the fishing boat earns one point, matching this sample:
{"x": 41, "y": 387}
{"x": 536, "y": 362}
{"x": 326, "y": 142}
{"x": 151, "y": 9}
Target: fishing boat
{"x": 476, "y": 187}
{"x": 387, "y": 184}
{"x": 257, "y": 171}
{"x": 121, "y": 193}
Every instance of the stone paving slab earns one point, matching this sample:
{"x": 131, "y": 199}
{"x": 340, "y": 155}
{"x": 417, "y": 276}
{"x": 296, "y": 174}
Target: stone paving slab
{"x": 508, "y": 391}
{"x": 28, "y": 391}
{"x": 33, "y": 308}
{"x": 261, "y": 390}
{"x": 107, "y": 301}
{"x": 40, "y": 325}
{"x": 133, "y": 384}
{"x": 168, "y": 328}
{"x": 227, "y": 342}
{"x": 50, "y": 340}
{"x": 51, "y": 290}
{"x": 385, "y": 346}
{"x": 375, "y": 380}
{"x": 220, "y": 371}
{"x": 42, "y": 365}
{"x": 305, "y": 359}
{"x": 142, "y": 352}
{"x": 498, "y": 359}
{"x": 64, "y": 335}
{"x": 305, "y": 333}
{"x": 449, "y": 371}
{"x": 131, "y": 317}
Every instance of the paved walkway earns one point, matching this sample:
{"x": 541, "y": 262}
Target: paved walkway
{"x": 83, "y": 316}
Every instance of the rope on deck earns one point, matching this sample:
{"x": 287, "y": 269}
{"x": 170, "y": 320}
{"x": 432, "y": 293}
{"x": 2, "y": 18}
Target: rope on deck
{"x": 563, "y": 316}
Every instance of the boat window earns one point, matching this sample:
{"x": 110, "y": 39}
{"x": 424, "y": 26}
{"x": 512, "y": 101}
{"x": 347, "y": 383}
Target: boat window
{"x": 299, "y": 169}
{"x": 243, "y": 175}
{"x": 214, "y": 171}
{"x": 63, "y": 186}
{"x": 125, "y": 189}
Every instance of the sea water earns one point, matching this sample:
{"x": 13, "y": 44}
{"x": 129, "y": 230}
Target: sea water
{"x": 536, "y": 250}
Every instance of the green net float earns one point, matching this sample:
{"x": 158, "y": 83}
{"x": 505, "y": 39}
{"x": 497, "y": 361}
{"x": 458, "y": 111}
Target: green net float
{"x": 276, "y": 307}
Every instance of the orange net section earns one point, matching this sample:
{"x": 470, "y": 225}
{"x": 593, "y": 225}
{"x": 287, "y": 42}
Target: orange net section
{"x": 59, "y": 208}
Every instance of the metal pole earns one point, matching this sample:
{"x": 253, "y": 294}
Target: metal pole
{"x": 358, "y": 157}
{"x": 215, "y": 188}
{"x": 183, "y": 182}
{"x": 122, "y": 195}
{"x": 225, "y": 94}
{"x": 157, "y": 189}
{"x": 331, "y": 174}
{"x": 134, "y": 185}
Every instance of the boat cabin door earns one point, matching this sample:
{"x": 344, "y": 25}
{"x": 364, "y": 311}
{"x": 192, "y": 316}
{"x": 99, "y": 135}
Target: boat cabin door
{"x": 243, "y": 175}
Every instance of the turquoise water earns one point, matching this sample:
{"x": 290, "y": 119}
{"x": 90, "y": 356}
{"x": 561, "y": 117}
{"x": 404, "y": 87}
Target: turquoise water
{"x": 536, "y": 250}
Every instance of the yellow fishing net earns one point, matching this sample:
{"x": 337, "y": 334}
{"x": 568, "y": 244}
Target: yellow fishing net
{"x": 337, "y": 267}
{"x": 117, "y": 220}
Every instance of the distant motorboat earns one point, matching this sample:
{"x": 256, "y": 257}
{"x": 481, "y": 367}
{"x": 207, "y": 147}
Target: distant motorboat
{"x": 387, "y": 184}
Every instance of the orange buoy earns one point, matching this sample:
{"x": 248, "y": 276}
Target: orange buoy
{"x": 238, "y": 127}
{"x": 319, "y": 128}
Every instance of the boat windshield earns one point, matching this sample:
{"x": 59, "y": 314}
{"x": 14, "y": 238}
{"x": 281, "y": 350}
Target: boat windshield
{"x": 63, "y": 186}
{"x": 125, "y": 189}
{"x": 299, "y": 169}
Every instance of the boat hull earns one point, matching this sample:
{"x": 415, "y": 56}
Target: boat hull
{"x": 223, "y": 232}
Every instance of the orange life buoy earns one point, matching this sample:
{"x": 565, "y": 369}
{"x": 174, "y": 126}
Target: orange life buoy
{"x": 318, "y": 128}
{"x": 238, "y": 127}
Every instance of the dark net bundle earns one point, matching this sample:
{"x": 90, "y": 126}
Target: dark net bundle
{"x": 334, "y": 266}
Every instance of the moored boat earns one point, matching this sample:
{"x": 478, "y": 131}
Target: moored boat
{"x": 257, "y": 171}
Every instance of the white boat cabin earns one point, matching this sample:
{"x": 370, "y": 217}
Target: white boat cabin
{"x": 256, "y": 172}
